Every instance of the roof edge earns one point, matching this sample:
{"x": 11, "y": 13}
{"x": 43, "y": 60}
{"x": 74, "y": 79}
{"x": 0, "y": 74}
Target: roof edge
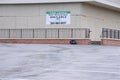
{"x": 37, "y": 2}
{"x": 106, "y": 5}
{"x": 101, "y": 3}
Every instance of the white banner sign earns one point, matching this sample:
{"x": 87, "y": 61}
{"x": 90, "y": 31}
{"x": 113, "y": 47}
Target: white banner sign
{"x": 57, "y": 17}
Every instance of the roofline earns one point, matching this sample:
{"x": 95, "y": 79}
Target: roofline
{"x": 101, "y": 3}
{"x": 109, "y": 3}
{"x": 106, "y": 5}
{"x": 42, "y": 2}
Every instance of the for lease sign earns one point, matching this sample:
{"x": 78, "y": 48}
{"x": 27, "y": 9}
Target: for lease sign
{"x": 57, "y": 17}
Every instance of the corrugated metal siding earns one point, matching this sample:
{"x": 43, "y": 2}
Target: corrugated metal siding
{"x": 64, "y": 33}
{"x": 19, "y": 10}
{"x": 39, "y": 33}
{"x": 21, "y": 22}
{"x": 97, "y": 18}
{"x": 4, "y": 33}
{"x": 52, "y": 33}
{"x": 29, "y": 16}
{"x": 34, "y": 16}
{"x": 110, "y": 33}
{"x": 45, "y": 33}
{"x": 27, "y": 33}
{"x": 81, "y": 34}
{"x": 7, "y": 22}
{"x": 15, "y": 33}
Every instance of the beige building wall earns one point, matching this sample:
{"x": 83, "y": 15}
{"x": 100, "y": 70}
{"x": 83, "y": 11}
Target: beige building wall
{"x": 19, "y": 16}
{"x": 82, "y": 16}
{"x": 34, "y": 16}
{"x": 97, "y": 18}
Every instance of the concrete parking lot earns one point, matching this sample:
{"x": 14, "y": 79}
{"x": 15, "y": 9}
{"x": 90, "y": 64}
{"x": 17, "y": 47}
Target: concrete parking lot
{"x": 59, "y": 62}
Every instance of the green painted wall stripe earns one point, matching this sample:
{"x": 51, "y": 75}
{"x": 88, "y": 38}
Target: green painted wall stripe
{"x": 58, "y": 12}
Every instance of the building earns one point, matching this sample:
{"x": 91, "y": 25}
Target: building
{"x": 58, "y": 22}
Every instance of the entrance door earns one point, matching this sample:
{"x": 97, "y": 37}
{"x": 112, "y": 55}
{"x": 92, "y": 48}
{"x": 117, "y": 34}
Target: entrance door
{"x": 95, "y": 34}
